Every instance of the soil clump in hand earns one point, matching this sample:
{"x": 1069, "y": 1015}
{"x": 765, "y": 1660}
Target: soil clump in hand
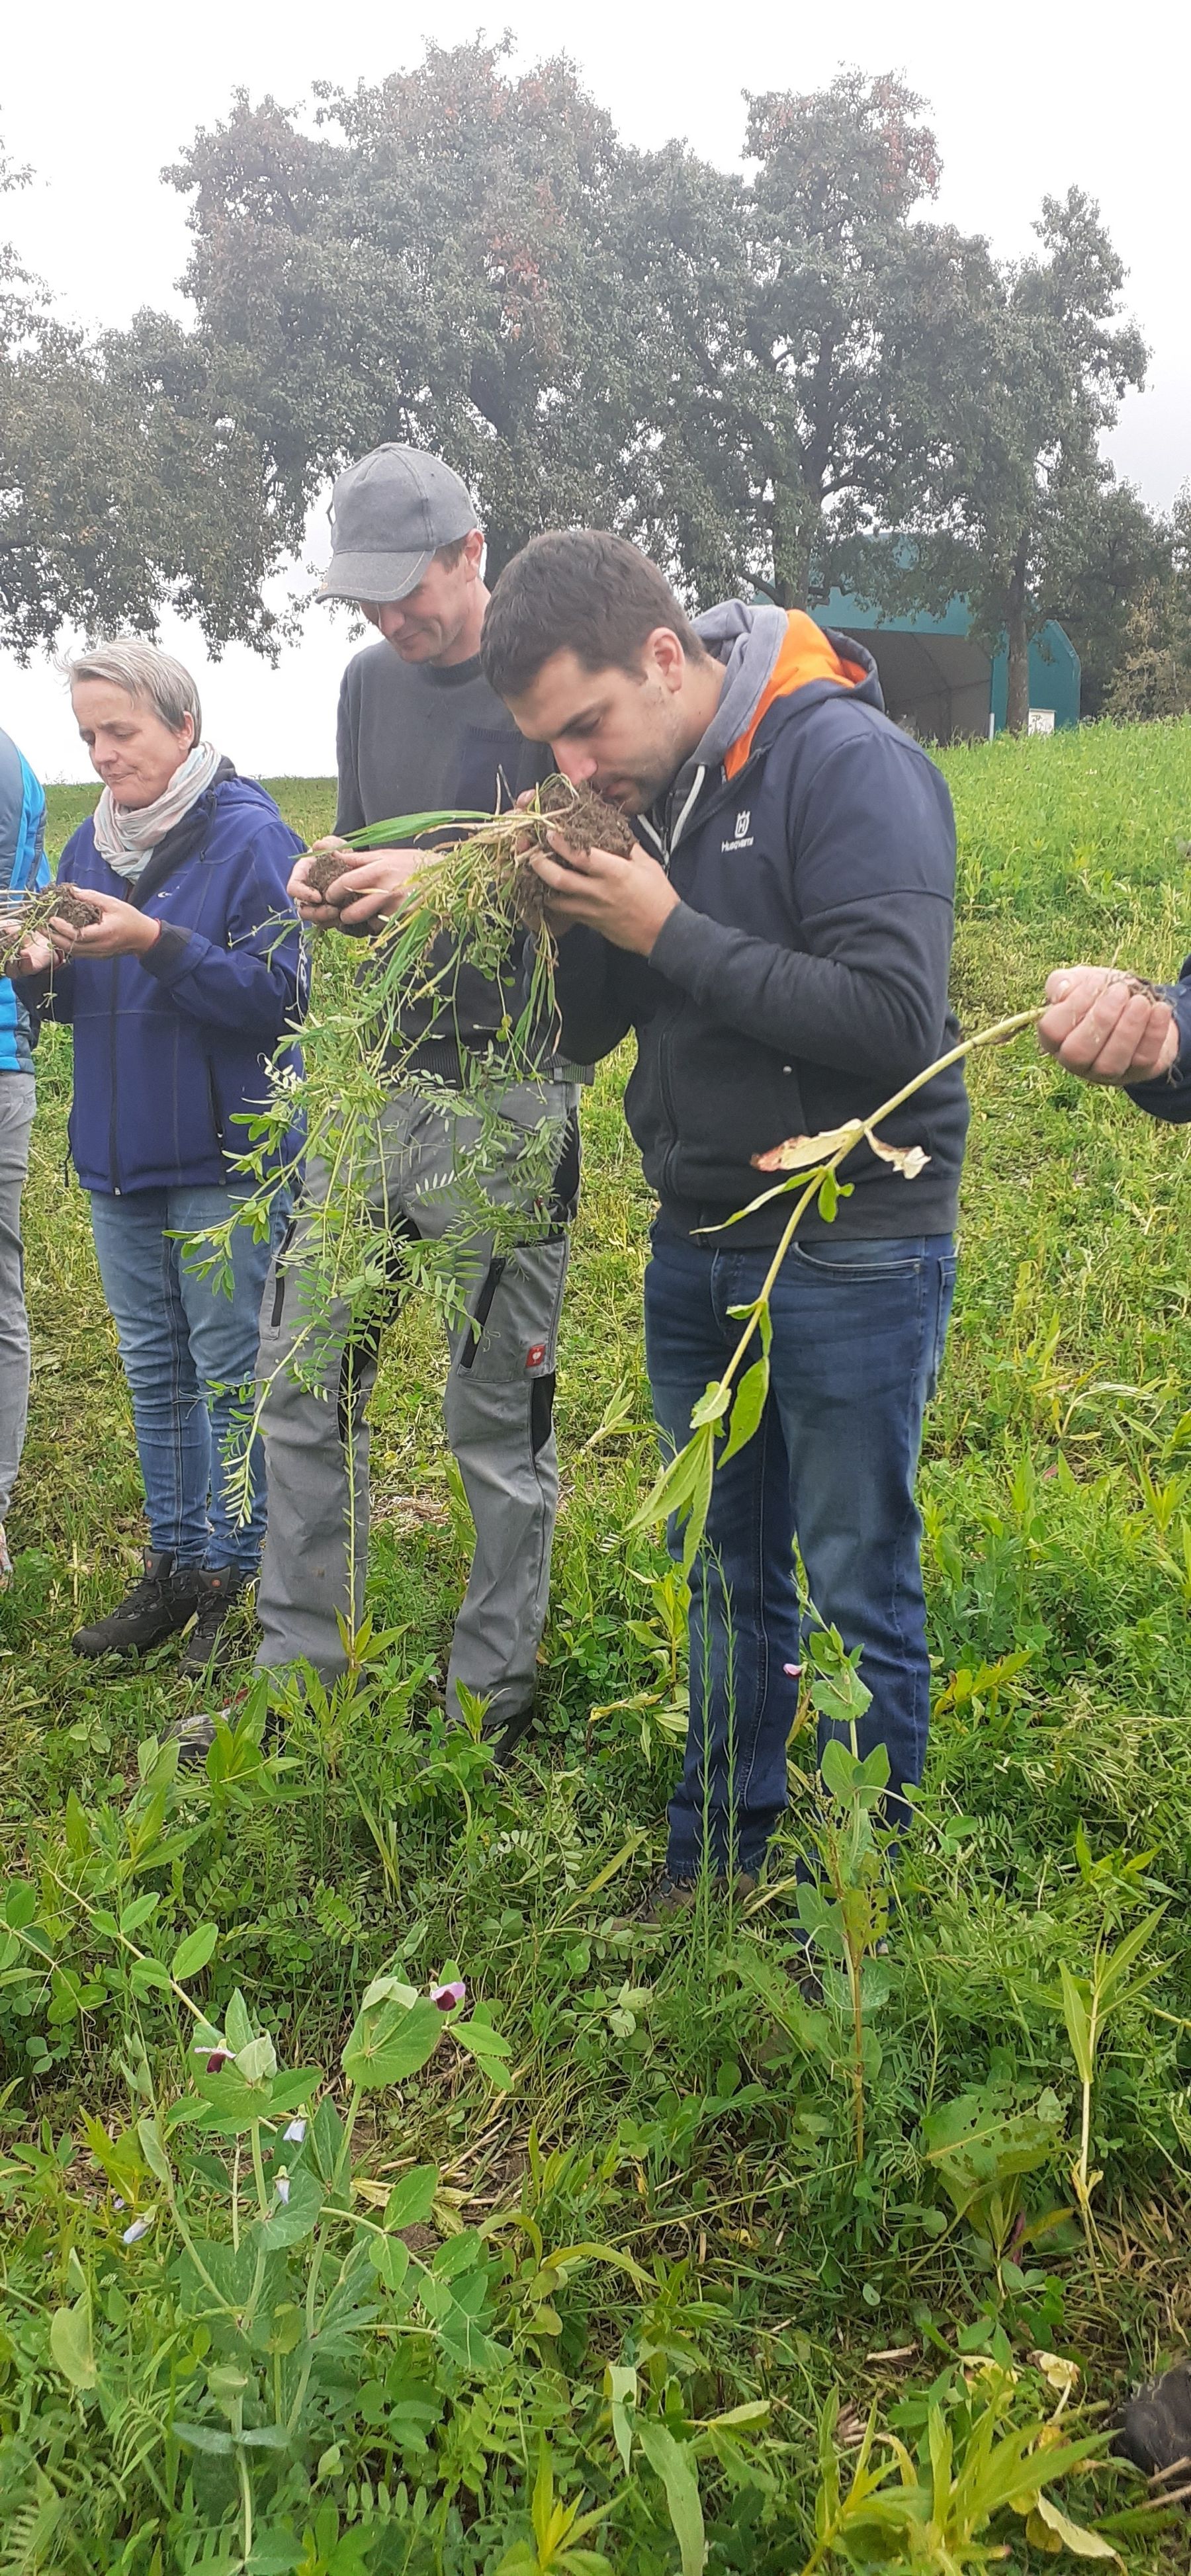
{"x": 586, "y": 821}
{"x": 57, "y": 903}
{"x": 326, "y": 865}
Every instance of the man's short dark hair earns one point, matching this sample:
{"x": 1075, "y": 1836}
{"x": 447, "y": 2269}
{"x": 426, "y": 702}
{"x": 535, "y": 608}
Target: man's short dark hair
{"x": 579, "y": 591}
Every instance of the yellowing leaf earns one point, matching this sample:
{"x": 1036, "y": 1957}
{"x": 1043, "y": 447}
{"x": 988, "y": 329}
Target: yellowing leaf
{"x": 909, "y": 1160}
{"x": 1052, "y": 2530}
{"x": 799, "y": 1152}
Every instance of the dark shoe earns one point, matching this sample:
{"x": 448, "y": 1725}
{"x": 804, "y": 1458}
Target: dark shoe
{"x": 506, "y": 1733}
{"x": 161, "y": 1603}
{"x": 218, "y": 1589}
{"x": 1155, "y": 2429}
{"x": 666, "y": 1899}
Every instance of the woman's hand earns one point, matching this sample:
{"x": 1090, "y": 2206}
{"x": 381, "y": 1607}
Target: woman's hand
{"x": 26, "y": 956}
{"x": 122, "y": 932}
{"x": 371, "y": 888}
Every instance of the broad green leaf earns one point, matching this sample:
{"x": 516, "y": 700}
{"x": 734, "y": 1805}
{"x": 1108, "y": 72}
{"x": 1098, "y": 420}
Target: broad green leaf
{"x": 390, "y": 2041}
{"x": 842, "y": 1771}
{"x": 673, "y": 2463}
{"x": 202, "y": 2437}
{"x": 20, "y": 1903}
{"x": 236, "y": 2024}
{"x": 153, "y": 2151}
{"x": 674, "y": 1489}
{"x": 389, "y": 2257}
{"x": 71, "y": 2345}
{"x": 411, "y": 2200}
{"x": 747, "y": 1411}
{"x": 291, "y": 2220}
{"x": 148, "y": 1973}
{"x": 257, "y": 2063}
{"x": 194, "y": 1952}
{"x": 712, "y": 1405}
{"x": 487, "y": 2046}
{"x": 137, "y": 1913}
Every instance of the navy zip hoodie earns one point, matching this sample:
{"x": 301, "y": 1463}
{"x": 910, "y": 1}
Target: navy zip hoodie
{"x": 802, "y": 977}
{"x": 171, "y": 1049}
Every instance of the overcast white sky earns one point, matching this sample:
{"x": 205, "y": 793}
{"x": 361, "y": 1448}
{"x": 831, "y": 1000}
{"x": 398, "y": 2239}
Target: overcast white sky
{"x": 1025, "y": 99}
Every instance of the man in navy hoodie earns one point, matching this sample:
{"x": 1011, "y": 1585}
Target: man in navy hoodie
{"x": 779, "y": 941}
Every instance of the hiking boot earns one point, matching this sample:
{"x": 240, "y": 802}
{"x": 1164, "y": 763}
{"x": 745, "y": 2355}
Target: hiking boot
{"x": 161, "y": 1603}
{"x": 219, "y": 1587}
{"x": 1155, "y": 2431}
{"x": 666, "y": 1899}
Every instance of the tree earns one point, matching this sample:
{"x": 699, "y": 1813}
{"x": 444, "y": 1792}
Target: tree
{"x": 1048, "y": 360}
{"x": 1153, "y": 674}
{"x": 1113, "y": 553}
{"x": 448, "y": 272}
{"x": 739, "y": 376}
{"x": 111, "y": 452}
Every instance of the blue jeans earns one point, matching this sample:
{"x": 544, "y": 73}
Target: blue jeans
{"x": 189, "y": 1354}
{"x": 858, "y": 1333}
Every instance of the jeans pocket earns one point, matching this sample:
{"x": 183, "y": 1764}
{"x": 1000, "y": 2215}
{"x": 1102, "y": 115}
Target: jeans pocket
{"x": 943, "y": 1302}
{"x": 858, "y": 1260}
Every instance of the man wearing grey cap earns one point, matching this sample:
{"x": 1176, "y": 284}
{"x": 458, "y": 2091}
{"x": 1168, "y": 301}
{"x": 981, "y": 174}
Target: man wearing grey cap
{"x": 421, "y": 731}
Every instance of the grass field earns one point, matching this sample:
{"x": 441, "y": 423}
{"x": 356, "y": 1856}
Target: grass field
{"x": 630, "y": 2264}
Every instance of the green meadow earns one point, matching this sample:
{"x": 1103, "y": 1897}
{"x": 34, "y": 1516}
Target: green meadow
{"x": 587, "y": 2275}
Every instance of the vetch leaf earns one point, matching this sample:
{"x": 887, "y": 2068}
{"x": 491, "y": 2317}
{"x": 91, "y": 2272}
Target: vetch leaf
{"x": 412, "y": 2198}
{"x": 747, "y": 1410}
{"x": 194, "y": 1952}
{"x": 71, "y": 2345}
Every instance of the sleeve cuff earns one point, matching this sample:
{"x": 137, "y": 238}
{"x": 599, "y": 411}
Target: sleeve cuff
{"x": 172, "y": 952}
{"x": 687, "y": 949}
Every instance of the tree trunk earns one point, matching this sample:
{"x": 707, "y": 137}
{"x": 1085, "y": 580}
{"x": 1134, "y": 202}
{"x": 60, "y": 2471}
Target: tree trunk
{"x": 795, "y": 525}
{"x": 1017, "y": 699}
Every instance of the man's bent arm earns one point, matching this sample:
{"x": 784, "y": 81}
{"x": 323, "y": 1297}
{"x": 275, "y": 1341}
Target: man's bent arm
{"x": 872, "y": 848}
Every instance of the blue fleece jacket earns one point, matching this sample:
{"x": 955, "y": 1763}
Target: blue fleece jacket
{"x": 171, "y": 1049}
{"x": 22, "y": 867}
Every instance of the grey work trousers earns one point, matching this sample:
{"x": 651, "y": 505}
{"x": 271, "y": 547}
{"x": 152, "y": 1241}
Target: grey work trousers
{"x": 497, "y": 1413}
{"x": 17, "y": 1103}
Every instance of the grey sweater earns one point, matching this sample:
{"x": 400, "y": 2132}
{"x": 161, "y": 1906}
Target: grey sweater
{"x": 416, "y": 739}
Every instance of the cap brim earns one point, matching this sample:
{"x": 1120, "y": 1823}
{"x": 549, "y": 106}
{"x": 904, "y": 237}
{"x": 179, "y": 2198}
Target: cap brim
{"x": 384, "y": 578}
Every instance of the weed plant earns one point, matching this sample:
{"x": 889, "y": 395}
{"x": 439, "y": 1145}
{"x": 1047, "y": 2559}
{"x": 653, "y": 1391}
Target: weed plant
{"x": 611, "y": 2285}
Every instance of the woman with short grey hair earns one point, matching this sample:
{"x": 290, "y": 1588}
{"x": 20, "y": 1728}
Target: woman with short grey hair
{"x": 178, "y": 994}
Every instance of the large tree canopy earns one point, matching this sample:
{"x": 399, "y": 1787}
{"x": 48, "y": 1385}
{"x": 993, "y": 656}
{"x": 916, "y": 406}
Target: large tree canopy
{"x": 771, "y": 380}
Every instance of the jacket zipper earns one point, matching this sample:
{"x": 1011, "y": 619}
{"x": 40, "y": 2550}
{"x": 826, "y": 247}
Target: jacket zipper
{"x": 665, "y": 852}
{"x": 113, "y": 1122}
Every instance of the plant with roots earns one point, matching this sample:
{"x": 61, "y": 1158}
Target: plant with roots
{"x": 476, "y": 906}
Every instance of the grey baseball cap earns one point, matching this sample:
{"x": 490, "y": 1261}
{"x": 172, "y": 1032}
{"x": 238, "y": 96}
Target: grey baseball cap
{"x": 389, "y": 515}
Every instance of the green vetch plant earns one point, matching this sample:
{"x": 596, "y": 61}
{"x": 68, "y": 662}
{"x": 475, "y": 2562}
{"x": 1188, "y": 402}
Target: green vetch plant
{"x": 731, "y": 1412}
{"x": 1089, "y": 2002}
{"x": 845, "y": 1915}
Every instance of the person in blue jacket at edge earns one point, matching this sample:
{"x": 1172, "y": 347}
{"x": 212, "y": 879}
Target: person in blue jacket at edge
{"x": 22, "y": 869}
{"x": 178, "y": 997}
{"x": 1109, "y": 1027}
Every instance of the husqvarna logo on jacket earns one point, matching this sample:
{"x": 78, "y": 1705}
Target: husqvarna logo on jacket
{"x": 744, "y": 838}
